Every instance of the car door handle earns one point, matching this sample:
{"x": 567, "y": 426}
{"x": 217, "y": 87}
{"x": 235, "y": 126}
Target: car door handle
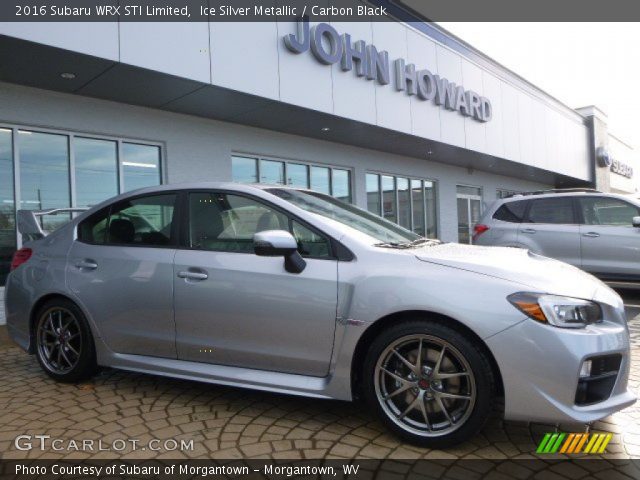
{"x": 591, "y": 234}
{"x": 193, "y": 275}
{"x": 527, "y": 230}
{"x": 87, "y": 264}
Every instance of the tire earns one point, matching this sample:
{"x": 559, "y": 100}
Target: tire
{"x": 64, "y": 344}
{"x": 410, "y": 400}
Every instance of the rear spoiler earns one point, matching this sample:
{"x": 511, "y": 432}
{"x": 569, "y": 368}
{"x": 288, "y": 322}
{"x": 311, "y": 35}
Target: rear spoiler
{"x": 29, "y": 225}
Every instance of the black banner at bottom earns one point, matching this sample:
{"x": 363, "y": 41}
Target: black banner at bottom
{"x": 318, "y": 469}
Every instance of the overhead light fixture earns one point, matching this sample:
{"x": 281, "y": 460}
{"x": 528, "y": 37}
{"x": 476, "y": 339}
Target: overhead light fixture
{"x": 140, "y": 165}
{"x": 68, "y": 75}
{"x": 325, "y": 129}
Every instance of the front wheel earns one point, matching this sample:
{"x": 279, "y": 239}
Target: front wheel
{"x": 64, "y": 344}
{"x": 429, "y": 383}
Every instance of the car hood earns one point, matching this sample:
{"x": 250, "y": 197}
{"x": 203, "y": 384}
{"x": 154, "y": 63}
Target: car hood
{"x": 518, "y": 265}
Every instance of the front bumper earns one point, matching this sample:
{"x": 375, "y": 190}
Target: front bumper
{"x": 540, "y": 367}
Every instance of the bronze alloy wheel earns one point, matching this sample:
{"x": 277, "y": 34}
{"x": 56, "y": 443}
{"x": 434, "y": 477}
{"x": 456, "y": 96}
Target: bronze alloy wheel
{"x": 425, "y": 385}
{"x": 59, "y": 340}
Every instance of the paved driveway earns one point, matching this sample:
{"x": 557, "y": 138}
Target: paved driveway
{"x": 235, "y": 423}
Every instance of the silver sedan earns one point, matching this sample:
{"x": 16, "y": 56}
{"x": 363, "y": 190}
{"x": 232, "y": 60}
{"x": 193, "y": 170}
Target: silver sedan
{"x": 293, "y": 291}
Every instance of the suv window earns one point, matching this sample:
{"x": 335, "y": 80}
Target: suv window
{"x": 227, "y": 223}
{"x": 142, "y": 221}
{"x": 558, "y": 210}
{"x": 511, "y": 212}
{"x": 607, "y": 211}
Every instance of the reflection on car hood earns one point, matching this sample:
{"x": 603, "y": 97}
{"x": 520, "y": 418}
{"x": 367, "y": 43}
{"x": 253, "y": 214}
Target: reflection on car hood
{"x": 517, "y": 265}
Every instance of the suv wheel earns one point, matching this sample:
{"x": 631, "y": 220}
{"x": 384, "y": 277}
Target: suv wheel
{"x": 429, "y": 383}
{"x": 64, "y": 345}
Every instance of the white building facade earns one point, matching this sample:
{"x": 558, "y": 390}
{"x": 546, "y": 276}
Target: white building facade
{"x": 402, "y": 119}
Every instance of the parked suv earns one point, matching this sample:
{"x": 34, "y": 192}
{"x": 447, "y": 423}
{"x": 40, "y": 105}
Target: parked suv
{"x": 598, "y": 232}
{"x": 293, "y": 291}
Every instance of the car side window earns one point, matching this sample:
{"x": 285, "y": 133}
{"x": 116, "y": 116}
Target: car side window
{"x": 226, "y": 223}
{"x": 142, "y": 221}
{"x": 555, "y": 210}
{"x": 512, "y": 212}
{"x": 607, "y": 211}
{"x": 310, "y": 244}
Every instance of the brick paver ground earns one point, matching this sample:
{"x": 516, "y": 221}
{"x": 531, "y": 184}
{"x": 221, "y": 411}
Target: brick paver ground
{"x": 236, "y": 423}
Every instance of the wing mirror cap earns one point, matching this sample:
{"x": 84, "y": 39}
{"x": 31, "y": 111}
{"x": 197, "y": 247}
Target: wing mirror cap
{"x": 279, "y": 243}
{"x": 636, "y": 221}
{"x": 274, "y": 243}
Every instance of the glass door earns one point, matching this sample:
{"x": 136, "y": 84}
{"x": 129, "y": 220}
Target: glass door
{"x": 469, "y": 211}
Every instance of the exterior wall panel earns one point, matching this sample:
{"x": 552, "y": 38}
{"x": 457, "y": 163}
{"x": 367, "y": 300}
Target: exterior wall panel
{"x": 99, "y": 39}
{"x": 425, "y": 117}
{"x": 451, "y": 122}
{"x": 176, "y": 48}
{"x": 393, "y": 107}
{"x": 228, "y": 65}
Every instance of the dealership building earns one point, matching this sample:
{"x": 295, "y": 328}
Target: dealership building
{"x": 405, "y": 120}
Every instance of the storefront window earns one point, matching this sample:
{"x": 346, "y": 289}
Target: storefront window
{"x": 140, "y": 165}
{"x": 389, "y": 207}
{"x": 341, "y": 184}
{"x": 373, "y": 193}
{"x": 431, "y": 209}
{"x": 298, "y": 175}
{"x": 7, "y": 209}
{"x": 271, "y": 172}
{"x": 331, "y": 181}
{"x": 415, "y": 207}
{"x": 96, "y": 169}
{"x": 404, "y": 203}
{"x": 44, "y": 174}
{"x": 320, "y": 180}
{"x": 244, "y": 170}
{"x": 417, "y": 201}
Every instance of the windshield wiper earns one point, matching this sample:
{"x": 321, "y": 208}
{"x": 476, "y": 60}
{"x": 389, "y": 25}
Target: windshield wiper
{"x": 412, "y": 244}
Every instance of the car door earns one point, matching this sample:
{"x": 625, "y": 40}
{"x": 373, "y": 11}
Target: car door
{"x": 551, "y": 229}
{"x": 121, "y": 269}
{"x": 610, "y": 243}
{"x": 235, "y": 308}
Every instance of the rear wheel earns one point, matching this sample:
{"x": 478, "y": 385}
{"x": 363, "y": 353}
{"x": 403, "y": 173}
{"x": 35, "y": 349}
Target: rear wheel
{"x": 429, "y": 383}
{"x": 64, "y": 345}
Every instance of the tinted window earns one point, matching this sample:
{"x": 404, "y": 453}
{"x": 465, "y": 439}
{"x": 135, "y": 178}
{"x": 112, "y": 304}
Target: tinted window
{"x": 552, "y": 210}
{"x": 144, "y": 221}
{"x": 511, "y": 212}
{"x": 310, "y": 244}
{"x": 607, "y": 211}
{"x": 227, "y": 223}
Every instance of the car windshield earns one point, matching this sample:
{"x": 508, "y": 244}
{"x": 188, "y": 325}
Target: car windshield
{"x": 345, "y": 213}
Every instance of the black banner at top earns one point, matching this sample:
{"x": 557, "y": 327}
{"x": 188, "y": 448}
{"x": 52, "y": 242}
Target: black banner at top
{"x": 316, "y": 10}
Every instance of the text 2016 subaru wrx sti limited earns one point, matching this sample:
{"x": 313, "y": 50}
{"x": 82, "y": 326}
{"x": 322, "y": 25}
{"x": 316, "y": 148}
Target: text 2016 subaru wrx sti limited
{"x": 293, "y": 291}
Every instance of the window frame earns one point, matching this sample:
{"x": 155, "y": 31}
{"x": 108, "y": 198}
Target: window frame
{"x": 502, "y": 205}
{"x": 336, "y": 249}
{"x": 174, "y": 238}
{"x": 286, "y": 161}
{"x": 71, "y": 135}
{"x": 574, "y": 204}
{"x": 436, "y": 198}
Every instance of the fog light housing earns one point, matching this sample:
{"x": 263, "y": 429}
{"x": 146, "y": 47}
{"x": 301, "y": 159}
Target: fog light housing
{"x": 585, "y": 370}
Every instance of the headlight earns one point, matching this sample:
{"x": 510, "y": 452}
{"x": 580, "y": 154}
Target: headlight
{"x": 565, "y": 312}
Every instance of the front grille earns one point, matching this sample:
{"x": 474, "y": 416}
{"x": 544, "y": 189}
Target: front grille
{"x": 598, "y": 386}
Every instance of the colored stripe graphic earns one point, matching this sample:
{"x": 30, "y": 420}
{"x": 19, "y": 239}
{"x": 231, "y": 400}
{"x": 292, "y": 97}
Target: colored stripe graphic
{"x": 583, "y": 440}
{"x": 596, "y": 443}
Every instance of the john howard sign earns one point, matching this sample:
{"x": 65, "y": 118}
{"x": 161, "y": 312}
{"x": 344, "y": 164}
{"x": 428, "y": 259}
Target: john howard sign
{"x": 329, "y": 47}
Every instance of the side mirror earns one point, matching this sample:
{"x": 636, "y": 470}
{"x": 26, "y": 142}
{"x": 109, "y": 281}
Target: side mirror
{"x": 279, "y": 243}
{"x": 635, "y": 222}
